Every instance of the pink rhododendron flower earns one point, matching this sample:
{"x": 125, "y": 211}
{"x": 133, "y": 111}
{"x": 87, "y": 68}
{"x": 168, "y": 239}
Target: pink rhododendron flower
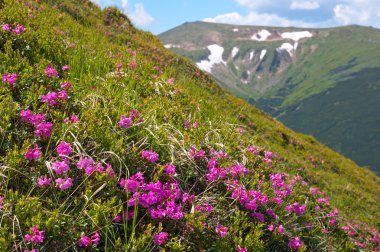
{"x": 50, "y": 98}
{"x": 51, "y": 72}
{"x": 84, "y": 241}
{"x": 6, "y": 27}
{"x": 281, "y": 230}
{"x": 259, "y": 216}
{"x": 268, "y": 154}
{"x": 19, "y": 29}
{"x": 64, "y": 184}
{"x": 253, "y": 149}
{"x": 160, "y": 238}
{"x": 43, "y": 130}
{"x": 27, "y": 116}
{"x": 295, "y": 243}
{"x": 134, "y": 114}
{"x": 62, "y": 95}
{"x": 1, "y": 202}
{"x": 125, "y": 122}
{"x": 33, "y": 250}
{"x": 132, "y": 65}
{"x": 66, "y": 85}
{"x": 10, "y": 78}
{"x": 150, "y": 155}
{"x": 64, "y": 149}
{"x": 60, "y": 166}
{"x": 95, "y": 238}
{"x": 222, "y": 231}
{"x": 170, "y": 169}
{"x": 171, "y": 81}
{"x": 43, "y": 181}
{"x": 240, "y": 249}
{"x": 194, "y": 154}
{"x": 188, "y": 198}
{"x": 84, "y": 162}
{"x": 270, "y": 228}
{"x": 33, "y": 153}
{"x": 71, "y": 119}
{"x": 65, "y": 68}
{"x": 36, "y": 236}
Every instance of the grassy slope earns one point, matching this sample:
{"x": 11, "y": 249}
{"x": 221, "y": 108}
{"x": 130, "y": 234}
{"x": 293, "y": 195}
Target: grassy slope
{"x": 100, "y": 100}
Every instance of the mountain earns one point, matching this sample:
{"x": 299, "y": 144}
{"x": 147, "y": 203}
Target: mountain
{"x": 323, "y": 82}
{"x": 110, "y": 142}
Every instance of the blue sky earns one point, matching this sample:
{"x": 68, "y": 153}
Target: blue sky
{"x": 160, "y": 15}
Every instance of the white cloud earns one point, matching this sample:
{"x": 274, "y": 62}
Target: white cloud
{"x": 139, "y": 16}
{"x": 304, "y": 5}
{"x": 254, "y": 18}
{"x": 252, "y": 4}
{"x": 361, "y": 12}
{"x": 124, "y": 5}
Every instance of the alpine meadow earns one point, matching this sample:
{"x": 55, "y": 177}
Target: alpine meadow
{"x": 111, "y": 142}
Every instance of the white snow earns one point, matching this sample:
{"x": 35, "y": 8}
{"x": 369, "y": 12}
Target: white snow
{"x": 235, "y": 51}
{"x": 262, "y": 54}
{"x": 296, "y": 35}
{"x": 214, "y": 58}
{"x": 171, "y": 46}
{"x": 235, "y": 29}
{"x": 295, "y": 46}
{"x": 261, "y": 35}
{"x": 286, "y": 47}
{"x": 251, "y": 54}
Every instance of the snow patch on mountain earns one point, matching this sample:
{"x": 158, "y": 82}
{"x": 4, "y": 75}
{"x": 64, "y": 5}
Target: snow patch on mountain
{"x": 214, "y": 58}
{"x": 235, "y": 51}
{"x": 262, "y": 54}
{"x": 251, "y": 54}
{"x": 235, "y": 30}
{"x": 261, "y": 35}
{"x": 172, "y": 46}
{"x": 296, "y": 35}
{"x": 286, "y": 47}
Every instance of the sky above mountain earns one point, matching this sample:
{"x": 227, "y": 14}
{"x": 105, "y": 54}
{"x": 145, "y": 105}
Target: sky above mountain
{"x": 160, "y": 15}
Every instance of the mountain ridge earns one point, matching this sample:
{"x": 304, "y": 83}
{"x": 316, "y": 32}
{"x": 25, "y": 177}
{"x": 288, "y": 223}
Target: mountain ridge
{"x": 289, "y": 71}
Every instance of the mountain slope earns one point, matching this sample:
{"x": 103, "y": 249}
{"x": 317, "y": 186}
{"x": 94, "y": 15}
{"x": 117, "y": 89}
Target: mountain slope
{"x": 110, "y": 142}
{"x": 282, "y": 70}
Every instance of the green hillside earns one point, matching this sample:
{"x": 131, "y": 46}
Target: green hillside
{"x": 110, "y": 142}
{"x": 334, "y": 60}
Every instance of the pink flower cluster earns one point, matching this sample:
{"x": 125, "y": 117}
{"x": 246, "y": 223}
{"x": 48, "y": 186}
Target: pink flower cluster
{"x": 36, "y": 236}
{"x": 297, "y": 208}
{"x": 18, "y": 30}
{"x": 41, "y": 128}
{"x": 127, "y": 122}
{"x": 170, "y": 169}
{"x": 1, "y": 202}
{"x": 43, "y": 181}
{"x": 10, "y": 78}
{"x": 150, "y": 155}
{"x": 64, "y": 149}
{"x": 86, "y": 241}
{"x": 160, "y": 198}
{"x": 89, "y": 167}
{"x": 221, "y": 230}
{"x": 160, "y": 238}
{"x": 52, "y": 98}
{"x": 72, "y": 119}
{"x": 195, "y": 154}
{"x": 51, "y": 72}
{"x": 295, "y": 243}
{"x": 33, "y": 153}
